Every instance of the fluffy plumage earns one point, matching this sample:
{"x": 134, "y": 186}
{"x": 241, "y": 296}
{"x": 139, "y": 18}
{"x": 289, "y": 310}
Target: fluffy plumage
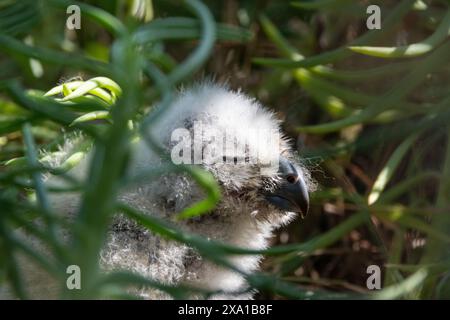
{"x": 244, "y": 217}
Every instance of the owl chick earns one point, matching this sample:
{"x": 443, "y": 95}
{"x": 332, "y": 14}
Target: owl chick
{"x": 263, "y": 187}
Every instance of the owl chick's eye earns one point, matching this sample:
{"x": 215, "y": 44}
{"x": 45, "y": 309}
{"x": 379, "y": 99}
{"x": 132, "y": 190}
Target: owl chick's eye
{"x": 235, "y": 159}
{"x": 291, "y": 178}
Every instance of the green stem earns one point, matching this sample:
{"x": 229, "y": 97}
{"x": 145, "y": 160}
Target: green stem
{"x": 412, "y": 50}
{"x": 332, "y": 56}
{"x": 436, "y": 250}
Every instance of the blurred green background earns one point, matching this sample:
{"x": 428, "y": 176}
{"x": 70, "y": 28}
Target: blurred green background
{"x": 367, "y": 110}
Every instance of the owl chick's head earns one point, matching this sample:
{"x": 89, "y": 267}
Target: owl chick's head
{"x": 241, "y": 144}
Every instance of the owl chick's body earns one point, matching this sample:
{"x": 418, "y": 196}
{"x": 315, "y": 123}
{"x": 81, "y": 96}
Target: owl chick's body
{"x": 250, "y": 209}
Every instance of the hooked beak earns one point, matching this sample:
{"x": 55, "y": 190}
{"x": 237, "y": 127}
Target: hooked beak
{"x": 292, "y": 194}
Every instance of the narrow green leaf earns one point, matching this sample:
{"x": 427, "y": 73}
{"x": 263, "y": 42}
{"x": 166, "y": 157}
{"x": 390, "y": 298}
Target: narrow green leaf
{"x": 91, "y": 116}
{"x": 319, "y": 4}
{"x": 403, "y": 288}
{"x": 412, "y": 50}
{"x": 388, "y": 170}
{"x": 208, "y": 183}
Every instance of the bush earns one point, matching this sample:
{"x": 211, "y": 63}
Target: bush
{"x": 371, "y": 121}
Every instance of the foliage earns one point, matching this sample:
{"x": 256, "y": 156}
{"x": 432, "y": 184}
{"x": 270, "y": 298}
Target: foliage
{"x": 375, "y": 117}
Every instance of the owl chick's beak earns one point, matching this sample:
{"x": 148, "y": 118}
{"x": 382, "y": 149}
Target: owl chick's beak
{"x": 292, "y": 194}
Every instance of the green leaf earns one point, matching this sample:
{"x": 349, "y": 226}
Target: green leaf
{"x": 388, "y": 170}
{"x": 208, "y": 183}
{"x": 318, "y": 4}
{"x": 412, "y": 50}
{"x": 95, "y": 83}
{"x": 92, "y": 116}
{"x": 403, "y": 288}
